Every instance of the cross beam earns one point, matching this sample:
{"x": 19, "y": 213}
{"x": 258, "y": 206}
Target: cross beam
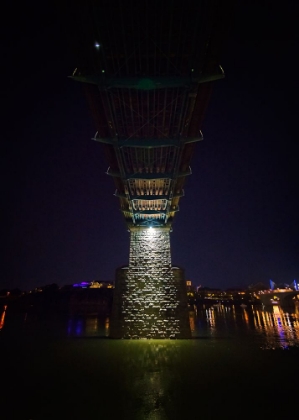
{"x": 148, "y": 143}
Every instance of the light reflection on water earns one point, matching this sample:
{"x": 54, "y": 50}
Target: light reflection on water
{"x": 268, "y": 327}
{"x": 151, "y": 379}
{"x": 149, "y": 369}
{"x": 279, "y": 328}
{"x": 88, "y": 326}
{"x": 2, "y": 316}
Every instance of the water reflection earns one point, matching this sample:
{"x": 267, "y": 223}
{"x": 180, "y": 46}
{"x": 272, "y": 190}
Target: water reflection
{"x": 107, "y": 326}
{"x": 278, "y": 327}
{"x": 2, "y": 317}
{"x": 192, "y": 320}
{"x": 245, "y": 317}
{"x": 271, "y": 327}
{"x": 268, "y": 328}
{"x": 150, "y": 369}
{"x": 87, "y": 326}
{"x": 152, "y": 379}
{"x": 210, "y": 314}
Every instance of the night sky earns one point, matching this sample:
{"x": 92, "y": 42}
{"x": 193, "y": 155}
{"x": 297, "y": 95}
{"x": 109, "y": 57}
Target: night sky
{"x": 238, "y": 221}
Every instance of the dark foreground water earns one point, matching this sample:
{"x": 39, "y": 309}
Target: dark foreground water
{"x": 241, "y": 363}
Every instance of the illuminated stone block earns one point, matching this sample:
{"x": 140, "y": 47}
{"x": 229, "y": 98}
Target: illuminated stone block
{"x": 150, "y": 298}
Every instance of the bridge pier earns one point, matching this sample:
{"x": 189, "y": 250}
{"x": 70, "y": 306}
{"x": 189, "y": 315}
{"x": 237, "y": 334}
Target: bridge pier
{"x": 150, "y": 298}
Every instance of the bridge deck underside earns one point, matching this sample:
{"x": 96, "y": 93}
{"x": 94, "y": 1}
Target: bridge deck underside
{"x": 148, "y": 77}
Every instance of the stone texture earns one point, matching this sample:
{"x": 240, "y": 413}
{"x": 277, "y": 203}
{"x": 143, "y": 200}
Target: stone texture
{"x": 150, "y": 298}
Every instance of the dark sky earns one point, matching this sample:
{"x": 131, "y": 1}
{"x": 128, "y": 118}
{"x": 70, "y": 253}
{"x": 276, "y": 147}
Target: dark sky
{"x": 238, "y": 222}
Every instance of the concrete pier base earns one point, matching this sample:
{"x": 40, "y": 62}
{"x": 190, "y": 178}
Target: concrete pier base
{"x": 150, "y": 298}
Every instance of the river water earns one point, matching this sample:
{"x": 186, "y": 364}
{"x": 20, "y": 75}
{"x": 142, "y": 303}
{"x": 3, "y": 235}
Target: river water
{"x": 240, "y": 362}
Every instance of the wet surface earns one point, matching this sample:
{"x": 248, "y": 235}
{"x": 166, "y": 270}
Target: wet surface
{"x": 240, "y": 360}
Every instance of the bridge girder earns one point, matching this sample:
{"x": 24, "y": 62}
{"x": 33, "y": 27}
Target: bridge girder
{"x": 148, "y": 84}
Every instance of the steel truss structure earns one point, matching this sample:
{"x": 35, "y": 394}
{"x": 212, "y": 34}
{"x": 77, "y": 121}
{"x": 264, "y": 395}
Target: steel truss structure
{"x": 148, "y": 68}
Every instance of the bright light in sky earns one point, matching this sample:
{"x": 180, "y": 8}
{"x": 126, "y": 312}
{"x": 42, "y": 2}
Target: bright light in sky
{"x": 97, "y": 45}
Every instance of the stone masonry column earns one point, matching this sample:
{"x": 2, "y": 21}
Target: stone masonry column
{"x": 149, "y": 301}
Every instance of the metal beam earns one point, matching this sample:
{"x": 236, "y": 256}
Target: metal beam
{"x": 156, "y": 197}
{"x": 148, "y": 143}
{"x": 143, "y": 197}
{"x": 151, "y": 222}
{"x": 149, "y": 176}
{"x": 149, "y": 197}
{"x": 149, "y": 212}
{"x": 149, "y": 83}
